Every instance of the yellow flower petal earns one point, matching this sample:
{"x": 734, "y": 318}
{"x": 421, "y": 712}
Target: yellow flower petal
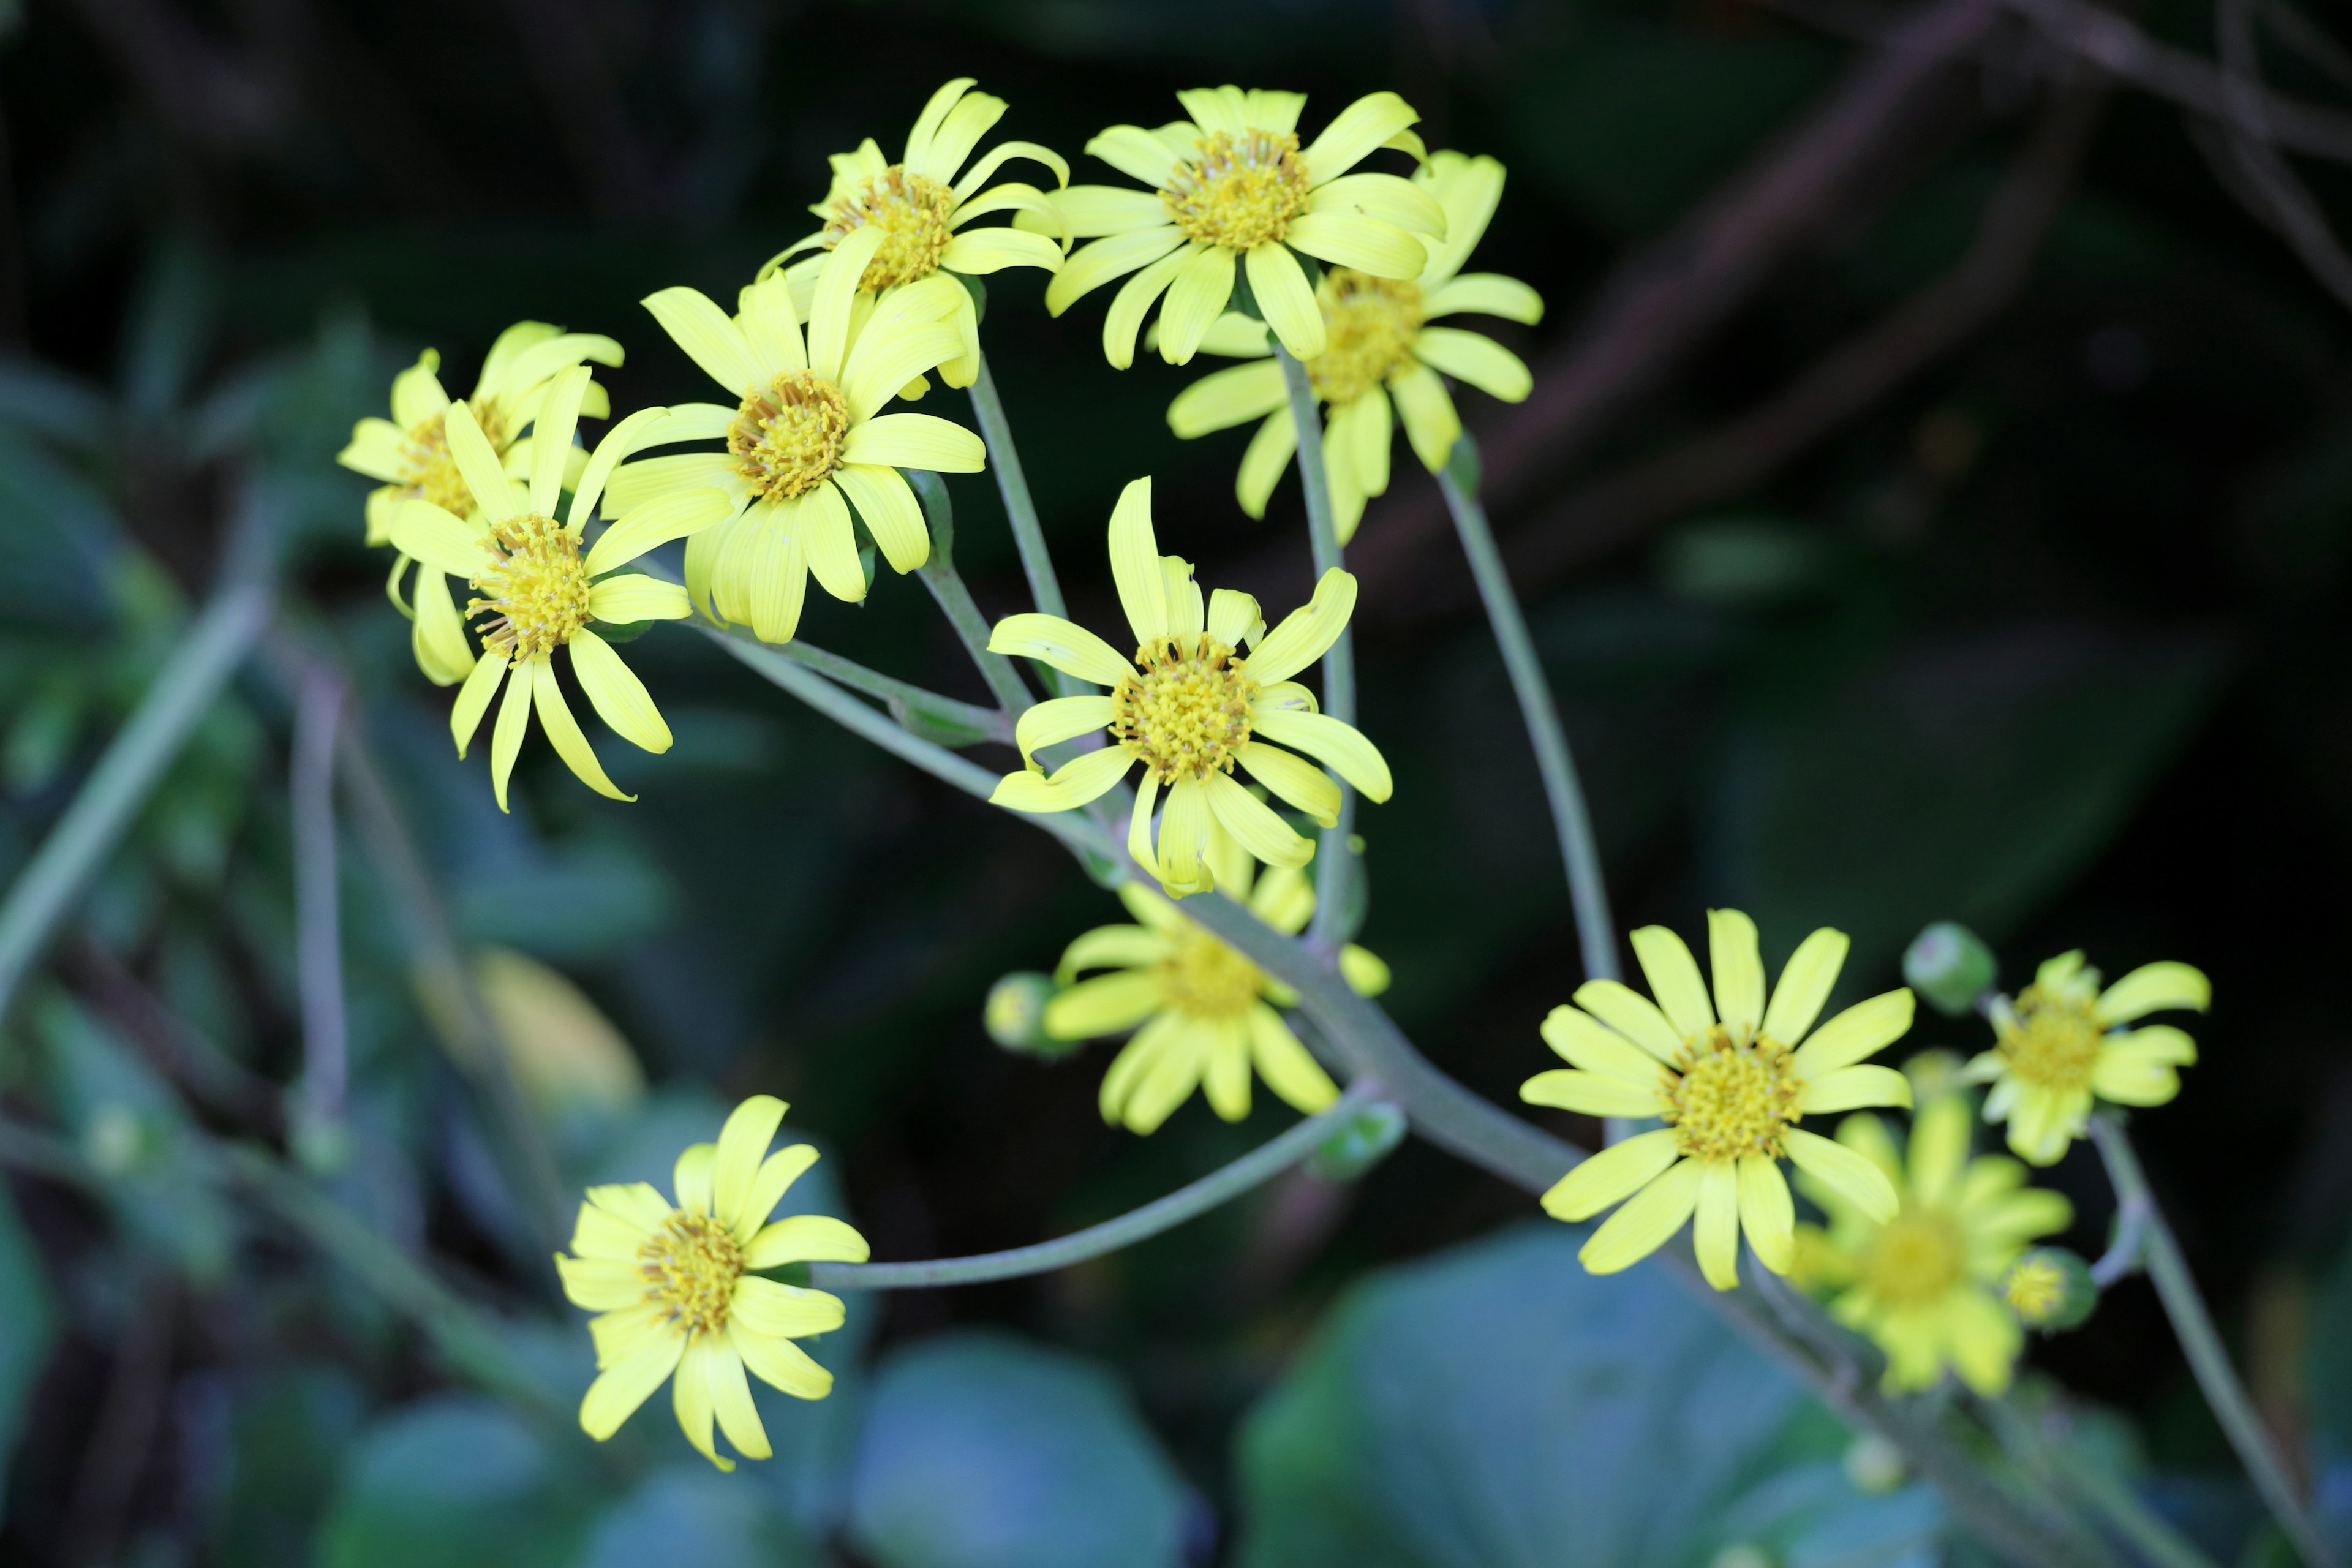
{"x": 1135, "y": 565}
{"x": 1738, "y": 969}
{"x": 1805, "y": 985}
{"x": 780, "y": 1363}
{"x": 1355, "y": 133}
{"x": 1767, "y": 1214}
{"x": 1647, "y": 1218}
{"x": 1714, "y": 1231}
{"x": 617, "y": 1392}
{"x": 1584, "y": 1041}
{"x": 1631, "y": 1014}
{"x": 709, "y": 337}
{"x": 2154, "y": 988}
{"x": 1341, "y": 747}
{"x": 805, "y": 1238}
{"x": 1065, "y": 645}
{"x": 1480, "y": 361}
{"x": 1287, "y": 301}
{"x": 1588, "y": 1093}
{"x": 1852, "y": 1087}
{"x": 1307, "y": 632}
{"x": 563, "y": 731}
{"x": 1613, "y": 1173}
{"x": 1864, "y": 1027}
{"x": 1850, "y": 1175}
{"x": 1073, "y": 786}
{"x": 1673, "y": 979}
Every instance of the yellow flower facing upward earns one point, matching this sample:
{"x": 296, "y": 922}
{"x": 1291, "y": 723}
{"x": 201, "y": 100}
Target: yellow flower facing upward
{"x": 1234, "y": 182}
{"x": 1927, "y": 1283}
{"x": 676, "y": 1286}
{"x": 1731, "y": 1079}
{"x": 1381, "y": 359}
{"x": 410, "y": 453}
{"x": 1206, "y": 1014}
{"x": 1189, "y": 706}
{"x": 806, "y": 438}
{"x": 921, "y": 208}
{"x": 2062, "y": 1042}
{"x": 537, "y": 590}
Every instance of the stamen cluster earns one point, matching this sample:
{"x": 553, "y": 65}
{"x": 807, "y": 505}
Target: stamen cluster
{"x": 690, "y": 1266}
{"x": 1915, "y": 1258}
{"x": 1730, "y": 1097}
{"x": 787, "y": 435}
{"x": 2052, "y": 1039}
{"x": 1368, "y": 325}
{"x": 1186, "y": 709}
{"x": 1241, "y": 192}
{"x": 430, "y": 473}
{"x": 534, "y": 589}
{"x": 1203, "y": 978}
{"x": 911, "y": 211}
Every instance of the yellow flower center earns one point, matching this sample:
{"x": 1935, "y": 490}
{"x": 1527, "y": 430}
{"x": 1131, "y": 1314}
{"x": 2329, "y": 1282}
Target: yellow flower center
{"x": 1187, "y": 708}
{"x": 429, "y": 473}
{"x": 1241, "y": 191}
{"x": 1203, "y": 978}
{"x": 534, "y": 588}
{"x": 1730, "y": 1097}
{"x": 911, "y": 211}
{"x": 690, "y": 1266}
{"x": 1368, "y": 325}
{"x": 2035, "y": 1288}
{"x": 2052, "y": 1041}
{"x": 1915, "y": 1258}
{"x": 787, "y": 435}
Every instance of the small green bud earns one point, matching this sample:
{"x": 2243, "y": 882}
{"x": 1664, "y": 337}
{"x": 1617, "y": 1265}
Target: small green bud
{"x": 1873, "y": 1465}
{"x": 322, "y": 1144}
{"x": 1741, "y": 1554}
{"x": 1362, "y": 1141}
{"x": 1014, "y": 1015}
{"x": 2051, "y": 1289}
{"x": 1949, "y": 965}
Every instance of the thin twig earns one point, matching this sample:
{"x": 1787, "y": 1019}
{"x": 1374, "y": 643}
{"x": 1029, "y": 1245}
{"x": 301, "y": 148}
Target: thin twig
{"x": 1012, "y": 484}
{"x": 946, "y": 586}
{"x": 2141, "y": 1527}
{"x": 902, "y": 697}
{"x": 2277, "y": 196}
{"x": 2123, "y": 1254}
{"x": 318, "y": 924}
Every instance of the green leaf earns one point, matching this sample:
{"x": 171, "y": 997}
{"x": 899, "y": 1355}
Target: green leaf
{"x": 454, "y": 1482}
{"x": 287, "y": 1430}
{"x": 695, "y": 1516}
{"x": 28, "y": 1321}
{"x": 982, "y": 1451}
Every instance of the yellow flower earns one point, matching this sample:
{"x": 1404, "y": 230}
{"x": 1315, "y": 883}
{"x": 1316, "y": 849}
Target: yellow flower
{"x": 537, "y": 591}
{"x": 806, "y": 440}
{"x": 2035, "y": 1288}
{"x": 919, "y": 205}
{"x": 2061, "y": 1043}
{"x": 1206, "y": 1013}
{"x": 1189, "y": 706}
{"x": 1731, "y": 1093}
{"x": 676, "y": 1292}
{"x": 1233, "y": 181}
{"x": 410, "y": 453}
{"x": 1380, "y": 353}
{"x": 1926, "y": 1284}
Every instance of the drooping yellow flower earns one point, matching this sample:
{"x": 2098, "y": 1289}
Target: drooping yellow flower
{"x": 410, "y": 453}
{"x": 677, "y": 1295}
{"x": 1927, "y": 1283}
{"x": 536, "y": 591}
{"x": 1233, "y": 181}
{"x": 2061, "y": 1043}
{"x": 1381, "y": 359}
{"x": 921, "y": 208}
{"x": 1189, "y": 706}
{"x": 806, "y": 440}
{"x": 1206, "y": 1013}
{"x": 1731, "y": 1091}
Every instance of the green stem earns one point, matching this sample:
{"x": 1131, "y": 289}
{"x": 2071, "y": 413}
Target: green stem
{"x": 2193, "y": 1326}
{"x": 1595, "y": 931}
{"x": 1258, "y": 1166}
{"x": 193, "y": 676}
{"x": 2148, "y": 1532}
{"x": 1012, "y": 484}
{"x": 319, "y": 706}
{"x": 1004, "y": 683}
{"x": 1335, "y": 856}
{"x": 902, "y": 697}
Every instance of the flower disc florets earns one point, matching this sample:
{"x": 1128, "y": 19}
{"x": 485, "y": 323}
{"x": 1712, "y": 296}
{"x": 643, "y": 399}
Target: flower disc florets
{"x": 1730, "y": 1099}
{"x": 787, "y": 435}
{"x": 1241, "y": 192}
{"x": 2052, "y": 1039}
{"x": 1369, "y": 323}
{"x": 1915, "y": 1258}
{"x": 535, "y": 589}
{"x": 911, "y": 211}
{"x": 1186, "y": 709}
{"x": 690, "y": 1266}
{"x": 427, "y": 469}
{"x": 1203, "y": 978}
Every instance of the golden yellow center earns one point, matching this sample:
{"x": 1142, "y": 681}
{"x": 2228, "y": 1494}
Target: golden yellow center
{"x": 1368, "y": 325}
{"x": 1239, "y": 191}
{"x": 429, "y": 473}
{"x": 690, "y": 1266}
{"x": 534, "y": 590}
{"x": 787, "y": 435}
{"x": 1731, "y": 1097}
{"x": 2035, "y": 1288}
{"x": 1203, "y": 978}
{"x": 1186, "y": 709}
{"x": 2051, "y": 1041}
{"x": 1915, "y": 1258}
{"x": 911, "y": 211}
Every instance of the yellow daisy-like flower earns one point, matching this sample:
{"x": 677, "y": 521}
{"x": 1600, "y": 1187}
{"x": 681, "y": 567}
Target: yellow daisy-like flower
{"x": 1926, "y": 1284}
{"x": 410, "y": 453}
{"x": 2062, "y": 1042}
{"x": 1206, "y": 1014}
{"x": 806, "y": 440}
{"x": 676, "y": 1292}
{"x": 921, "y": 208}
{"x": 1189, "y": 706}
{"x": 1381, "y": 360}
{"x": 1233, "y": 181}
{"x": 1731, "y": 1093}
{"x": 537, "y": 591}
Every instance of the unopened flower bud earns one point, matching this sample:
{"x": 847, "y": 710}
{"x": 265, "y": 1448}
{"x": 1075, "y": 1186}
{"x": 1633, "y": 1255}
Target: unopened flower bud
{"x": 1873, "y": 1465}
{"x": 2051, "y": 1289}
{"x": 1014, "y": 1015}
{"x": 1362, "y": 1141}
{"x": 1949, "y": 965}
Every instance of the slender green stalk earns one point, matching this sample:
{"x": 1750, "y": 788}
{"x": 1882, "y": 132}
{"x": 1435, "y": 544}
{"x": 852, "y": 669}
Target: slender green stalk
{"x": 2141, "y": 1527}
{"x": 1595, "y": 931}
{"x": 902, "y": 698}
{"x": 194, "y": 674}
{"x": 2193, "y": 1326}
{"x": 1335, "y": 855}
{"x": 1012, "y": 484}
{"x": 946, "y": 585}
{"x": 318, "y": 915}
{"x": 1221, "y": 1186}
